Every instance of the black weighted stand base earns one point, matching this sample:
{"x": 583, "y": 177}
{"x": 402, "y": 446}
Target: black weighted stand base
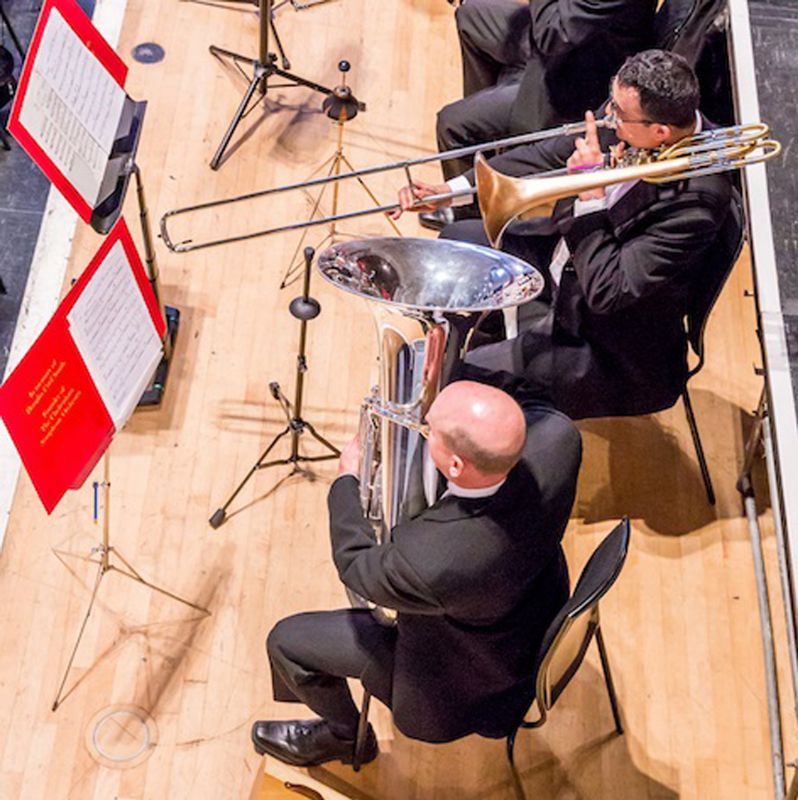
{"x": 153, "y": 394}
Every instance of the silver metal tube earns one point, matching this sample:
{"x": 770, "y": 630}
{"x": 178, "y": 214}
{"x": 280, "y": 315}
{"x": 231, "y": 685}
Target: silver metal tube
{"x": 571, "y": 129}
{"x": 784, "y": 566}
{"x": 763, "y": 598}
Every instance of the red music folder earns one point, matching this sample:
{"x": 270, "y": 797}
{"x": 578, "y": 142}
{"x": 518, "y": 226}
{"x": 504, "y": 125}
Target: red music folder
{"x": 82, "y": 377}
{"x": 69, "y": 103}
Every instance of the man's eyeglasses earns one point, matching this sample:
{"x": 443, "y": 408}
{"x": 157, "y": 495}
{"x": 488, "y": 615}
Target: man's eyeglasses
{"x": 616, "y": 113}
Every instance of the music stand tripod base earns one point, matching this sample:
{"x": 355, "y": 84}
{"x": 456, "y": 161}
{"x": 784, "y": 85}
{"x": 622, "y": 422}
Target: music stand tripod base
{"x": 304, "y": 308}
{"x": 263, "y": 69}
{"x": 153, "y": 394}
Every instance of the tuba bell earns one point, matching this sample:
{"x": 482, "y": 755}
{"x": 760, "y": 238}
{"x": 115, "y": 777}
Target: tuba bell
{"x": 426, "y": 296}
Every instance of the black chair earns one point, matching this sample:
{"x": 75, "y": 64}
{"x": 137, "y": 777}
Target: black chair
{"x": 706, "y": 292}
{"x": 564, "y": 645}
{"x": 697, "y": 30}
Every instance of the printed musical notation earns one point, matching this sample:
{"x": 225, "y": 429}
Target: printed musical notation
{"x": 72, "y": 107}
{"x": 113, "y": 331}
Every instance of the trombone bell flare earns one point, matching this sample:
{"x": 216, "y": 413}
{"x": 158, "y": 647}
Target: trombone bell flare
{"x": 502, "y": 199}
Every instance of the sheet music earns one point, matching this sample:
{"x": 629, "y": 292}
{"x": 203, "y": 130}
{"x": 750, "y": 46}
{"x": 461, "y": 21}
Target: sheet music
{"x": 72, "y": 107}
{"x": 115, "y": 334}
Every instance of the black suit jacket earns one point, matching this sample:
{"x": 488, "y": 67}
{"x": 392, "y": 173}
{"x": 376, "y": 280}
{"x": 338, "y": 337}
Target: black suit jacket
{"x": 476, "y": 583}
{"x": 577, "y": 46}
{"x": 615, "y": 326}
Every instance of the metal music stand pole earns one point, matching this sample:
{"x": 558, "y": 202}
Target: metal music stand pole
{"x": 153, "y": 394}
{"x": 104, "y": 551}
{"x": 304, "y": 308}
{"x": 263, "y": 68}
{"x": 340, "y": 107}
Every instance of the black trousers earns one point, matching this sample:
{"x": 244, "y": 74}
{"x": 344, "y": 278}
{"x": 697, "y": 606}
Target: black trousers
{"x": 495, "y": 46}
{"x": 312, "y": 655}
{"x": 523, "y": 366}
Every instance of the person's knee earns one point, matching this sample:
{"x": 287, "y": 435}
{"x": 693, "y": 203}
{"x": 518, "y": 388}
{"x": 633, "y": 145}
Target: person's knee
{"x": 465, "y": 230}
{"x": 464, "y": 17}
{"x": 448, "y": 124}
{"x": 280, "y": 637}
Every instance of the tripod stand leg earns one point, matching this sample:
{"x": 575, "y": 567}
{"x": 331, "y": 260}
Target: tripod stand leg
{"x": 100, "y": 572}
{"x": 220, "y": 514}
{"x": 283, "y": 57}
{"x": 133, "y": 573}
{"x": 334, "y": 451}
{"x": 239, "y": 115}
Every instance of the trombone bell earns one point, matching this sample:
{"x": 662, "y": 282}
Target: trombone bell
{"x": 502, "y": 199}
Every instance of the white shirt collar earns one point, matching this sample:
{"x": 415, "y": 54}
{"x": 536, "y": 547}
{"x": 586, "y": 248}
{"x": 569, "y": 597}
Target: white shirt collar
{"x": 471, "y": 494}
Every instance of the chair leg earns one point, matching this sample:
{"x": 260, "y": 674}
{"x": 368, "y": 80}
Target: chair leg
{"x": 605, "y": 664}
{"x": 699, "y": 449}
{"x": 362, "y": 727}
{"x": 518, "y": 787}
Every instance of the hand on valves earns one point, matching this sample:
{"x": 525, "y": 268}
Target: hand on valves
{"x": 349, "y": 462}
{"x": 588, "y": 155}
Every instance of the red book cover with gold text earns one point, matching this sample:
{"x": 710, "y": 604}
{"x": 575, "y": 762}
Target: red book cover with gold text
{"x": 52, "y": 403}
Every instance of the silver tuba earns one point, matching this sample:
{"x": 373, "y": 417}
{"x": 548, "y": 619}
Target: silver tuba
{"x": 428, "y": 297}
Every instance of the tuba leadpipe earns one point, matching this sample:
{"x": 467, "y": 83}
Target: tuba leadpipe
{"x": 502, "y": 199}
{"x": 187, "y": 245}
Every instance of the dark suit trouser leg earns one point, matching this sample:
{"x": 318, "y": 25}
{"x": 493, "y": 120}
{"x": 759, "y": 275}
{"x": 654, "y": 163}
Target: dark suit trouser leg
{"x": 523, "y": 366}
{"x": 313, "y": 654}
{"x": 494, "y": 40}
{"x": 480, "y": 117}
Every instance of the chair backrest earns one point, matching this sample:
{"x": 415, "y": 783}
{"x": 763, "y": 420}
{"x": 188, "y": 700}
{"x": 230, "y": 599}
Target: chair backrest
{"x": 725, "y": 251}
{"x": 569, "y": 634}
{"x": 681, "y": 25}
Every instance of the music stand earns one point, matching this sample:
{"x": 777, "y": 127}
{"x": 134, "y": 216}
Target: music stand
{"x": 263, "y": 68}
{"x": 304, "y": 308}
{"x": 340, "y": 107}
{"x": 104, "y": 550}
{"x": 121, "y": 166}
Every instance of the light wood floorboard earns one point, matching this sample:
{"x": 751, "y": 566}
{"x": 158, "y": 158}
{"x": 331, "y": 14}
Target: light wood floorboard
{"x": 681, "y": 625}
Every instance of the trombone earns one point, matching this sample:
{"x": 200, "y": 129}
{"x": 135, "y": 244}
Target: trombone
{"x": 187, "y": 245}
{"x": 502, "y": 199}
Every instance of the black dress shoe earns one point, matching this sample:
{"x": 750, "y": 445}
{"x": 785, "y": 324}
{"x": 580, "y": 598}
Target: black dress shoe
{"x": 436, "y": 220}
{"x": 307, "y": 743}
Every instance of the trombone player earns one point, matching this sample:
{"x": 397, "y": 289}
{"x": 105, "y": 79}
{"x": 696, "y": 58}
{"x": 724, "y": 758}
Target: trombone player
{"x": 623, "y": 265}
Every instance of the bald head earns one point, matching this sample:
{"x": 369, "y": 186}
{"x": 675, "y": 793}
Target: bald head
{"x": 477, "y": 431}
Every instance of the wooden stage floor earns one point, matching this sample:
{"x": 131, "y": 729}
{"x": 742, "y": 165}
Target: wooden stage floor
{"x": 681, "y": 625}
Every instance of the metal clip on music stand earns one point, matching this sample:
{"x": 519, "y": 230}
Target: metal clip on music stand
{"x": 304, "y": 308}
{"x": 263, "y": 68}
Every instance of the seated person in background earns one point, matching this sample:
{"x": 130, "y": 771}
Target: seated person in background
{"x": 476, "y": 579}
{"x": 575, "y": 46}
{"x": 621, "y": 264}
{"x": 494, "y": 43}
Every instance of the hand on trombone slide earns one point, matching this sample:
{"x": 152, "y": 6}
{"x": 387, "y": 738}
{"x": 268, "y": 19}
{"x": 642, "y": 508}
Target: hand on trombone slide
{"x": 411, "y": 198}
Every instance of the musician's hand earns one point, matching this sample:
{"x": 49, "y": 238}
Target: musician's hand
{"x": 587, "y": 155}
{"x": 349, "y": 463}
{"x": 409, "y": 196}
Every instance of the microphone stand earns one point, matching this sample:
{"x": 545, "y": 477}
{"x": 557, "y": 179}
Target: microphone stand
{"x": 304, "y": 308}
